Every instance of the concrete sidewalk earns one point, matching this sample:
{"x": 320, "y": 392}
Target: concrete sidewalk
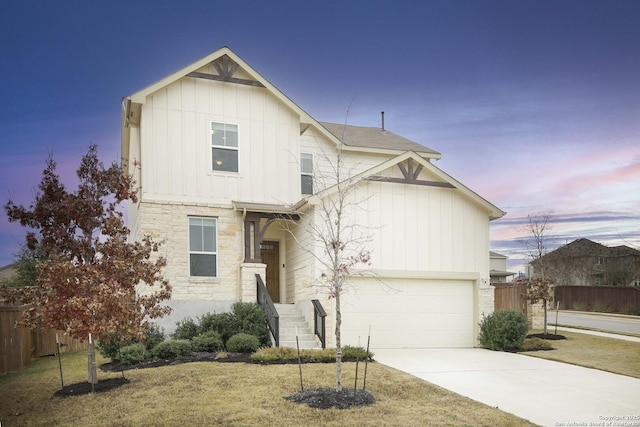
{"x": 542, "y": 391}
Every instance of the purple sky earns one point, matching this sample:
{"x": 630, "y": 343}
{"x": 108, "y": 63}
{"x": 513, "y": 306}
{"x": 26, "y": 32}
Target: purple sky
{"x": 535, "y": 105}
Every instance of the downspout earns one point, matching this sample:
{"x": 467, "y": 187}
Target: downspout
{"x": 239, "y": 292}
{"x": 244, "y": 216}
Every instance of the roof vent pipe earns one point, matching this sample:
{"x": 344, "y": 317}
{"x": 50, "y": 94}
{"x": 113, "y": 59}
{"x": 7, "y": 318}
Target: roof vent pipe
{"x": 382, "y": 112}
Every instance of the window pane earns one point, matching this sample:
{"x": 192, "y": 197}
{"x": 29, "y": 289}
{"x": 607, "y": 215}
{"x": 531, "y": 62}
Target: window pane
{"x": 306, "y": 183}
{"x": 231, "y": 136}
{"x": 203, "y": 265}
{"x": 306, "y": 163}
{"x": 195, "y": 234}
{"x": 224, "y": 135}
{"x": 209, "y": 236}
{"x": 224, "y": 159}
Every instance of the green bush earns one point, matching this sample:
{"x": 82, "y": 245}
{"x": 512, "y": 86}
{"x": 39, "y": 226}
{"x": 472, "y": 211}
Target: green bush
{"x": 185, "y": 329}
{"x": 349, "y": 352}
{"x": 251, "y": 319}
{"x": 134, "y": 353}
{"x": 224, "y": 323}
{"x": 244, "y": 317}
{"x": 209, "y": 341}
{"x": 503, "y": 330}
{"x": 109, "y": 348}
{"x": 171, "y": 349}
{"x": 243, "y": 343}
{"x": 153, "y": 336}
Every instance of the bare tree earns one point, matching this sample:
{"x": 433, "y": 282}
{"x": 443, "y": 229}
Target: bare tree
{"x": 339, "y": 243}
{"x": 539, "y": 288}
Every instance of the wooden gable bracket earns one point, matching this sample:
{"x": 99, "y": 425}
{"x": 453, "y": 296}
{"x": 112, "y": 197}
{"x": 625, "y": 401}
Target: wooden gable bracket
{"x": 410, "y": 176}
{"x": 254, "y": 234}
{"x": 226, "y": 68}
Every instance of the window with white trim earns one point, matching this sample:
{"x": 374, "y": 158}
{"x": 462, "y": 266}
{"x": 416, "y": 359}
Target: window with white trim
{"x": 224, "y": 147}
{"x": 203, "y": 247}
{"x": 306, "y": 173}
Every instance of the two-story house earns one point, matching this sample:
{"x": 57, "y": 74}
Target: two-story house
{"x": 587, "y": 263}
{"x": 229, "y": 171}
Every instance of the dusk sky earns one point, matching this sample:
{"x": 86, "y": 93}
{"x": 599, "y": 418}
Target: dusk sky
{"x": 534, "y": 105}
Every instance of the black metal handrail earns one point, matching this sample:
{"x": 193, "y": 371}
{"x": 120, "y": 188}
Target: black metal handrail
{"x": 319, "y": 316}
{"x": 273, "y": 318}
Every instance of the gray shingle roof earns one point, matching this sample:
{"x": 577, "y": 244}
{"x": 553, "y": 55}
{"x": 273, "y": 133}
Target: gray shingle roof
{"x": 369, "y": 137}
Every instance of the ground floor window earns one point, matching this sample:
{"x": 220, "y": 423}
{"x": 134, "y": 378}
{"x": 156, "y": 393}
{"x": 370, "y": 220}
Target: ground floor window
{"x": 203, "y": 247}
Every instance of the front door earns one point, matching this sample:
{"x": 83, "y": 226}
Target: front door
{"x": 270, "y": 255}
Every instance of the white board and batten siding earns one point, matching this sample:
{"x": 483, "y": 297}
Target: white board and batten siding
{"x": 176, "y": 141}
{"x": 429, "y": 248}
{"x": 423, "y": 228}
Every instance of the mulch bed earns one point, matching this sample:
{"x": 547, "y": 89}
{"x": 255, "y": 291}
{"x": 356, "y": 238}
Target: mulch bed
{"x": 325, "y": 398}
{"x": 78, "y": 389}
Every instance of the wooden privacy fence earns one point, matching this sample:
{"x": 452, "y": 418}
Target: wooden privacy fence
{"x": 19, "y": 345}
{"x": 510, "y": 296}
{"x": 598, "y": 298}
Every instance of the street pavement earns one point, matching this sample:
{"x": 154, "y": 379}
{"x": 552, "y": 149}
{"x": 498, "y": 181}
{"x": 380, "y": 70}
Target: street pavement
{"x": 603, "y": 321}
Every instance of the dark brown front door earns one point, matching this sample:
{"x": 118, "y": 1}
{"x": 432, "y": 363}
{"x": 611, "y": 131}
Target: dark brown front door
{"x": 270, "y": 255}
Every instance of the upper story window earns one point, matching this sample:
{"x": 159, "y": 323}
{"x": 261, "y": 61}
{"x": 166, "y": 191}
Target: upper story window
{"x": 306, "y": 173}
{"x": 224, "y": 147}
{"x": 203, "y": 247}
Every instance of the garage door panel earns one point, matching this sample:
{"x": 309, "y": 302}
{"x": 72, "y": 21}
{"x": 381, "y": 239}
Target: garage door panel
{"x": 409, "y": 314}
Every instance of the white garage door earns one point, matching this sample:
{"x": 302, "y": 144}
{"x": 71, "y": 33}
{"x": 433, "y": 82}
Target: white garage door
{"x": 409, "y": 313}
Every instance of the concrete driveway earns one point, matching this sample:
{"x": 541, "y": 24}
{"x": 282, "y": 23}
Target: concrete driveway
{"x": 541, "y": 391}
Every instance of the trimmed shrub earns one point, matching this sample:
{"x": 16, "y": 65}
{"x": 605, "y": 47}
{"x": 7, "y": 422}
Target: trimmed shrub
{"x": 171, "y": 349}
{"x": 251, "y": 319}
{"x": 244, "y": 317}
{"x": 349, "y": 352}
{"x": 153, "y": 336}
{"x": 185, "y": 329}
{"x": 132, "y": 354}
{"x": 243, "y": 343}
{"x": 224, "y": 323}
{"x": 209, "y": 341}
{"x": 503, "y": 330}
{"x": 109, "y": 348}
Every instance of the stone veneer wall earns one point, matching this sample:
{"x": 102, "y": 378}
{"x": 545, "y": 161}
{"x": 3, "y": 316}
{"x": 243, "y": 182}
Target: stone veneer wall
{"x": 194, "y": 296}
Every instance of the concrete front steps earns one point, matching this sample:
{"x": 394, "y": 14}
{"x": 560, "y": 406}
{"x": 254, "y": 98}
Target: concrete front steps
{"x": 291, "y": 318}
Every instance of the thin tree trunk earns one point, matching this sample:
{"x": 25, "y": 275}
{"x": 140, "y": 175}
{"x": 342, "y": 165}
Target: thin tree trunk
{"x": 338, "y": 345}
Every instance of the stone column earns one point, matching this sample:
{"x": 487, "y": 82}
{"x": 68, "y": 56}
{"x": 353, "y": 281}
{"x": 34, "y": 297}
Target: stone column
{"x": 248, "y": 273}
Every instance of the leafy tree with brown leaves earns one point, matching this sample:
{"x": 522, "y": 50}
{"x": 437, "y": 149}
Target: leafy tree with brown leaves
{"x": 88, "y": 272}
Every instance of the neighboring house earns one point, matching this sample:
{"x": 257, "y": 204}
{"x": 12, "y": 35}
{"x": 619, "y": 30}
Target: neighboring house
{"x": 227, "y": 168}
{"x": 587, "y": 263}
{"x": 498, "y": 268}
{"x": 8, "y": 272}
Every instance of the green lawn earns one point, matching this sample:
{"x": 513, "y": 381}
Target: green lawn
{"x": 607, "y": 354}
